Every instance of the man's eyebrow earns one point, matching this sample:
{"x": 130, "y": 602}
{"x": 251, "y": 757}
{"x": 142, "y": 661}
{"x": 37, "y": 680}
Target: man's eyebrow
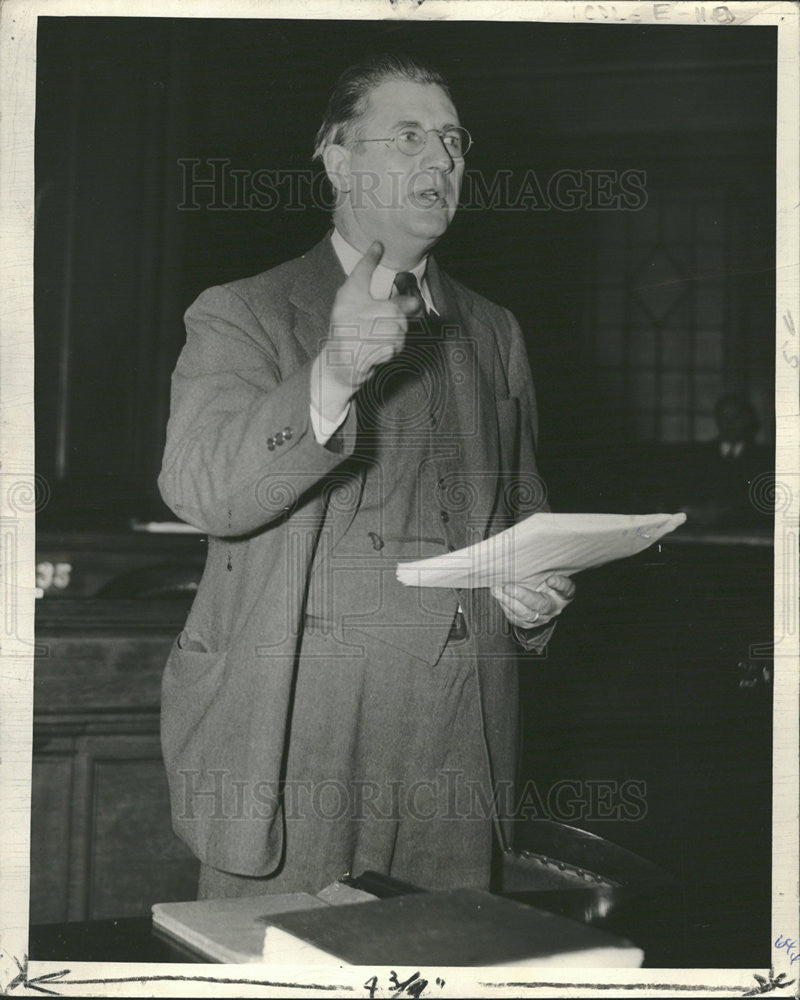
{"x": 408, "y": 122}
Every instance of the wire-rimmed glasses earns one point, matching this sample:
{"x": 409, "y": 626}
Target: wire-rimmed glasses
{"x": 411, "y": 141}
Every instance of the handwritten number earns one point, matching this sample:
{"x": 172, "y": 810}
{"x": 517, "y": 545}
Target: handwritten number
{"x": 789, "y": 945}
{"x": 400, "y": 987}
{"x": 414, "y": 986}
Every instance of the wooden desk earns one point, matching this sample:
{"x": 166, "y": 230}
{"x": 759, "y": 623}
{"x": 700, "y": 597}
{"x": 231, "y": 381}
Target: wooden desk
{"x": 667, "y": 923}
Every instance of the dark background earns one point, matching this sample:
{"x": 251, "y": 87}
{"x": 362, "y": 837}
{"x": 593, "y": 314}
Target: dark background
{"x": 636, "y": 322}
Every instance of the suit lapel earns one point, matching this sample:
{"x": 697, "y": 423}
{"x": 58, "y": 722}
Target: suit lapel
{"x": 320, "y": 275}
{"x": 318, "y": 279}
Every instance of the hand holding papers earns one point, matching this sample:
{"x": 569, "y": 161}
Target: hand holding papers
{"x": 539, "y": 546}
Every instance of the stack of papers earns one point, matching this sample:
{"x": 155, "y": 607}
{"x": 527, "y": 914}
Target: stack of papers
{"x": 539, "y": 546}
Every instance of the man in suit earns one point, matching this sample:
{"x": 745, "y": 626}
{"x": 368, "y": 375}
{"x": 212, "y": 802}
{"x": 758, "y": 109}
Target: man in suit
{"x": 342, "y": 412}
{"x": 727, "y": 482}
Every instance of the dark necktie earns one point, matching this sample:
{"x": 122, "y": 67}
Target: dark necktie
{"x": 415, "y": 374}
{"x": 406, "y": 284}
{"x": 422, "y": 349}
{"x": 420, "y": 323}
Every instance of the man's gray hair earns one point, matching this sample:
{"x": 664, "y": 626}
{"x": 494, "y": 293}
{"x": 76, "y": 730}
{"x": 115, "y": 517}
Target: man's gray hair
{"x": 348, "y": 102}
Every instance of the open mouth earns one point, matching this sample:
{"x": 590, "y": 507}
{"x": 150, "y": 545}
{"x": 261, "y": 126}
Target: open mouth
{"x": 430, "y": 196}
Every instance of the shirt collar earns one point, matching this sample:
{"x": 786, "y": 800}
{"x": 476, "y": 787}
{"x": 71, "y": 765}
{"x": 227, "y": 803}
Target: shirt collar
{"x": 382, "y": 277}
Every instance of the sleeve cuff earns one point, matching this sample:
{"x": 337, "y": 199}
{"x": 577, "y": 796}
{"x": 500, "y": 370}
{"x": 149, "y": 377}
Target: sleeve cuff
{"x": 534, "y": 640}
{"x": 323, "y": 428}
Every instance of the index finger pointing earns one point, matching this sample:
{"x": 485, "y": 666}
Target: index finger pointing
{"x": 361, "y": 275}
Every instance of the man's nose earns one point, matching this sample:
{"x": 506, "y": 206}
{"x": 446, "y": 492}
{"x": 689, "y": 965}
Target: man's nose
{"x": 435, "y": 154}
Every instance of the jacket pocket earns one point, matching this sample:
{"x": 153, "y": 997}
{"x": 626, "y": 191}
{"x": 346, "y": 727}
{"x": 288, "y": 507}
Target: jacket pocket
{"x": 190, "y": 662}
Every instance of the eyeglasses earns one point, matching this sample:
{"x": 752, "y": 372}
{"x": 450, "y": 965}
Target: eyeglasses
{"x": 411, "y": 141}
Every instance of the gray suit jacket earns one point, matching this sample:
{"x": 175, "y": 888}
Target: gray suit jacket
{"x": 242, "y": 464}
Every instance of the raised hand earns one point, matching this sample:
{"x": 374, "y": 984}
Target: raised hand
{"x": 364, "y": 331}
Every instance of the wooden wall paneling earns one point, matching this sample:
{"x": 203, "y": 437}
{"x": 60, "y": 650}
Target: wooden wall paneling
{"x": 51, "y": 806}
{"x": 80, "y": 842}
{"x": 102, "y": 841}
{"x": 95, "y": 674}
{"x": 97, "y": 686}
{"x": 135, "y": 858}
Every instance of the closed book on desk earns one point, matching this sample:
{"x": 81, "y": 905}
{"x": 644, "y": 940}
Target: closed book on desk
{"x": 459, "y": 927}
{"x": 227, "y": 930}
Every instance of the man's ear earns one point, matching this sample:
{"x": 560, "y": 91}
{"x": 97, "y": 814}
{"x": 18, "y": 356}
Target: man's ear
{"x": 337, "y": 166}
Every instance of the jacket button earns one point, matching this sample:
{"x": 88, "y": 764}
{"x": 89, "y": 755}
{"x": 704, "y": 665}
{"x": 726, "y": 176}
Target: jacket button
{"x": 287, "y": 433}
{"x": 279, "y": 437}
{"x": 271, "y": 444}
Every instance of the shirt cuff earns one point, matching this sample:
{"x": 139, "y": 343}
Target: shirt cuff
{"x": 534, "y": 640}
{"x": 323, "y": 428}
